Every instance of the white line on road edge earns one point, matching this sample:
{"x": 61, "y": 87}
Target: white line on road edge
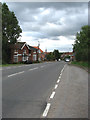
{"x": 33, "y": 69}
{"x": 60, "y": 74}
{"x": 56, "y": 86}
{"x": 15, "y": 74}
{"x": 52, "y": 95}
{"x": 62, "y": 70}
{"x": 46, "y": 110}
{"x": 58, "y": 80}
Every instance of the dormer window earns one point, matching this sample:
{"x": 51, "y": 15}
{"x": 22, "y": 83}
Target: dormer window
{"x": 15, "y": 51}
{"x": 24, "y": 51}
{"x": 34, "y": 51}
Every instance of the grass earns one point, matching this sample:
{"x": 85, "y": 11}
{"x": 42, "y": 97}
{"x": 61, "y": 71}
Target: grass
{"x": 83, "y": 64}
{"x": 6, "y": 65}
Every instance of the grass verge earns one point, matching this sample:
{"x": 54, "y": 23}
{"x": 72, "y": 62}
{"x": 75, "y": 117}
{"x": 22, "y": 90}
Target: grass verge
{"x": 6, "y": 65}
{"x": 85, "y": 65}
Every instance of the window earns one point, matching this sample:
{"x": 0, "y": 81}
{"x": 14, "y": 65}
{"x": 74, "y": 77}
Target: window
{"x": 24, "y": 51}
{"x": 39, "y": 51}
{"x": 29, "y": 51}
{"x": 15, "y": 51}
{"x": 34, "y": 58}
{"x": 34, "y": 51}
{"x": 24, "y": 58}
{"x": 15, "y": 58}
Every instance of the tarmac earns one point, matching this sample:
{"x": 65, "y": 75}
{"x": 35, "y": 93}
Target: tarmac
{"x": 71, "y": 98}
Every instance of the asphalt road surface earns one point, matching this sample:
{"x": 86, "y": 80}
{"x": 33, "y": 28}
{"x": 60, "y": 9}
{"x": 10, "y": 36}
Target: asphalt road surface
{"x": 71, "y": 98}
{"x": 25, "y": 89}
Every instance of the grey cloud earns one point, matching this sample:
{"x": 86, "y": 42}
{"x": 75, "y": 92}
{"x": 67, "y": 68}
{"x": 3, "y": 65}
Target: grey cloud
{"x": 73, "y": 13}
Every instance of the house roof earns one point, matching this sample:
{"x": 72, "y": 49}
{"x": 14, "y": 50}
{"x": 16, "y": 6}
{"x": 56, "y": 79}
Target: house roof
{"x": 20, "y": 45}
{"x": 37, "y": 48}
{"x": 68, "y": 53}
{"x": 32, "y": 48}
{"x": 17, "y": 45}
{"x": 47, "y": 53}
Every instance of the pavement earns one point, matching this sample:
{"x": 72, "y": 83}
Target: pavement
{"x": 25, "y": 88}
{"x": 71, "y": 96}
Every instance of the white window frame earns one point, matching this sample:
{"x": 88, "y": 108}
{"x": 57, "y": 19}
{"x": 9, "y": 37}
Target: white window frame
{"x": 34, "y": 51}
{"x": 24, "y": 51}
{"x": 15, "y": 51}
{"x": 16, "y": 57}
{"x": 34, "y": 57}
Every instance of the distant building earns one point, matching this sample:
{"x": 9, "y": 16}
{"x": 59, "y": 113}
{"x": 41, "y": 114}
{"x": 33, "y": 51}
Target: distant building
{"x": 41, "y": 55}
{"x": 71, "y": 54}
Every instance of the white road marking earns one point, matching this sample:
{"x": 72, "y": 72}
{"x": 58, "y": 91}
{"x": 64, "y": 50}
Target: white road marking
{"x": 25, "y": 65}
{"x": 58, "y": 80}
{"x": 19, "y": 66}
{"x": 52, "y": 95}
{"x": 60, "y": 74}
{"x": 43, "y": 66}
{"x": 56, "y": 86}
{"x": 33, "y": 69}
{"x": 15, "y": 74}
{"x": 62, "y": 71}
{"x": 46, "y": 110}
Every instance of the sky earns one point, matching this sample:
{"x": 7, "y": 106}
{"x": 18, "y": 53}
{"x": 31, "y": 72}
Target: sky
{"x": 54, "y": 25}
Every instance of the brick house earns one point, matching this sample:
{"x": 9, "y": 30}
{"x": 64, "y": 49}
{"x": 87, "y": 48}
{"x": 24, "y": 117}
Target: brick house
{"x": 41, "y": 55}
{"x": 71, "y": 54}
{"x": 21, "y": 52}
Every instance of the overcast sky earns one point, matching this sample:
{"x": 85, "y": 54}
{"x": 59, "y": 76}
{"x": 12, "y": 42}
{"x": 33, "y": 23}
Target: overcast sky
{"x": 53, "y": 24}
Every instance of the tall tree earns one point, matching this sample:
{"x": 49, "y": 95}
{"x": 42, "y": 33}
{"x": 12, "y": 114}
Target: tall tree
{"x": 82, "y": 41}
{"x": 10, "y": 31}
{"x": 56, "y": 54}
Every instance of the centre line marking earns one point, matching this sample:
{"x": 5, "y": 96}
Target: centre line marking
{"x": 52, "y": 95}
{"x": 46, "y": 110}
{"x": 56, "y": 86}
{"x": 42, "y": 66}
{"x": 33, "y": 69}
{"x": 15, "y": 74}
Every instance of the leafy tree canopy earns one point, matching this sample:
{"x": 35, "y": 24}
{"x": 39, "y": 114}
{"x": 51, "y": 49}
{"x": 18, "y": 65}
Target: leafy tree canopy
{"x": 82, "y": 42}
{"x": 10, "y": 31}
{"x": 10, "y": 28}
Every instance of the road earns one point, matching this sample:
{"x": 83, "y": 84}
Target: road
{"x": 71, "y": 98}
{"x": 26, "y": 88}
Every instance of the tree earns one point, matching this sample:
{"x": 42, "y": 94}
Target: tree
{"x": 10, "y": 31}
{"x": 56, "y": 54}
{"x": 50, "y": 56}
{"x": 82, "y": 41}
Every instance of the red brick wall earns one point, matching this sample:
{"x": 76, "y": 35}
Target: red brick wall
{"x": 21, "y": 52}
